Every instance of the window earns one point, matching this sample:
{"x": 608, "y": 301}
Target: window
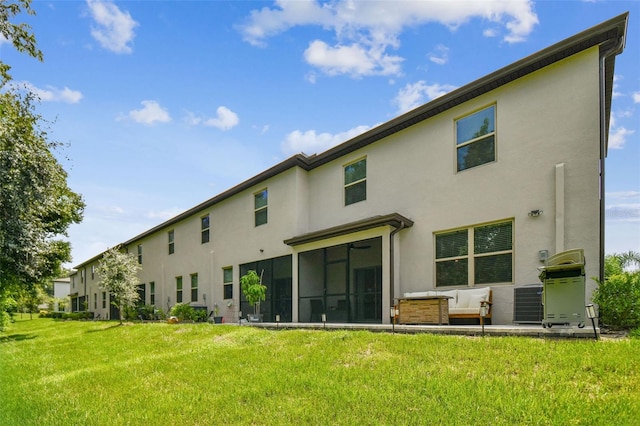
{"x": 171, "y": 236}
{"x": 140, "y": 254}
{"x": 204, "y": 229}
{"x": 260, "y": 200}
{"x": 194, "y": 287}
{"x": 178, "y": 289}
{"x": 355, "y": 182}
{"x": 93, "y": 272}
{"x": 227, "y": 280}
{"x": 104, "y": 300}
{"x": 95, "y": 300}
{"x": 476, "y": 255}
{"x": 476, "y": 139}
{"x": 152, "y": 293}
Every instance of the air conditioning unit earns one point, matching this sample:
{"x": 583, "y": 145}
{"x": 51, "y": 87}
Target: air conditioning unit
{"x": 527, "y": 304}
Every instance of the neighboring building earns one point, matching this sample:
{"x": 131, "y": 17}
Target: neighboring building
{"x": 467, "y": 190}
{"x": 61, "y": 288}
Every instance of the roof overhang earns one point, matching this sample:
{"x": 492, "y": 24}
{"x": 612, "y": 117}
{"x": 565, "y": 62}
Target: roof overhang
{"x": 394, "y": 220}
{"x": 605, "y": 35}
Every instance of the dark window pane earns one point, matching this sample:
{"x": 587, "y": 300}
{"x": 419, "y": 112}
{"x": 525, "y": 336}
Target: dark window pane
{"x": 452, "y": 272}
{"x": 205, "y": 236}
{"x": 205, "y": 222}
{"x": 477, "y": 153}
{"x": 493, "y": 269}
{"x": 491, "y": 238}
{"x": 355, "y": 193}
{"x": 475, "y": 125}
{"x": 355, "y": 172}
{"x": 228, "y": 291}
{"x": 261, "y": 217}
{"x": 260, "y": 199}
{"x": 452, "y": 244}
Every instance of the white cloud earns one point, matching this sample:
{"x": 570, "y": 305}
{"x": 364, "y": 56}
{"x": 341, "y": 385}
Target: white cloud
{"x": 623, "y": 206}
{"x": 618, "y": 137}
{"x": 441, "y": 56}
{"x": 51, "y": 93}
{"x": 367, "y": 29}
{"x": 164, "y": 214}
{"x": 150, "y": 113}
{"x": 311, "y": 142}
{"x": 224, "y": 120}
{"x": 636, "y": 97}
{"x": 355, "y": 60}
{"x": 114, "y": 29}
{"x": 414, "y": 95}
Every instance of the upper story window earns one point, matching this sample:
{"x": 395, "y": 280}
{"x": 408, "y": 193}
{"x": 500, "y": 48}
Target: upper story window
{"x": 140, "y": 254}
{"x": 204, "y": 229}
{"x": 170, "y": 237}
{"x": 260, "y": 202}
{"x": 93, "y": 272}
{"x": 475, "y": 255}
{"x": 227, "y": 281}
{"x": 355, "y": 182}
{"x": 476, "y": 139}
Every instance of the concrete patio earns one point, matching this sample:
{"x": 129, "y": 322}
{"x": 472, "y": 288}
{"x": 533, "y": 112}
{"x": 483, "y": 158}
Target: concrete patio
{"x": 528, "y": 330}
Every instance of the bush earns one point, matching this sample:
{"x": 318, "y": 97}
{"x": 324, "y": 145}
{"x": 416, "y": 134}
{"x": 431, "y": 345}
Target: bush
{"x": 200, "y": 315}
{"x": 619, "y": 300}
{"x": 183, "y": 311}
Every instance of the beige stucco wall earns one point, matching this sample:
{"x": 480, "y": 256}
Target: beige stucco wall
{"x": 547, "y": 130}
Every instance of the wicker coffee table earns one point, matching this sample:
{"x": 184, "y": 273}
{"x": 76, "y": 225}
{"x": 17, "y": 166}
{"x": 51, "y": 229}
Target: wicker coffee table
{"x": 424, "y": 310}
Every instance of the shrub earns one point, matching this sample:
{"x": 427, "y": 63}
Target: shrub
{"x": 200, "y": 315}
{"x": 619, "y": 300}
{"x": 183, "y": 311}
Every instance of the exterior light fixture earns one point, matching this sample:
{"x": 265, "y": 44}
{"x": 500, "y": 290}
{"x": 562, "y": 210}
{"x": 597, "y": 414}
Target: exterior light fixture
{"x": 485, "y": 306}
{"x": 324, "y": 320}
{"x": 535, "y": 213}
{"x": 591, "y": 314}
{"x": 277, "y": 321}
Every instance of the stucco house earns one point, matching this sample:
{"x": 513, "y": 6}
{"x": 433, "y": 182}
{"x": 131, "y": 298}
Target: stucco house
{"x": 472, "y": 189}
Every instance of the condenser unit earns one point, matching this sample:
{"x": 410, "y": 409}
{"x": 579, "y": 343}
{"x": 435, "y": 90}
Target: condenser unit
{"x": 527, "y": 304}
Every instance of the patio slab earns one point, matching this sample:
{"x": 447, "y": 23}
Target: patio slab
{"x": 529, "y": 330}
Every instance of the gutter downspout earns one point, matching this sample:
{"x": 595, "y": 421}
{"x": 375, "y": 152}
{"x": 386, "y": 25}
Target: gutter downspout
{"x": 615, "y": 50}
{"x": 392, "y": 255}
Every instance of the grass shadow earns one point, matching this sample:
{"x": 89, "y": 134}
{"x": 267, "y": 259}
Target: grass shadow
{"x": 111, "y": 327}
{"x": 16, "y": 338}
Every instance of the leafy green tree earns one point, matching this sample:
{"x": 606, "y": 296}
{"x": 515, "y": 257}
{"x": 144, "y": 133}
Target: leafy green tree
{"x": 118, "y": 274}
{"x": 36, "y": 205}
{"x": 18, "y": 34}
{"x": 253, "y": 289}
{"x": 618, "y": 296}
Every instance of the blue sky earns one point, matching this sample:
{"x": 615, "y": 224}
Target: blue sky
{"x": 165, "y": 104}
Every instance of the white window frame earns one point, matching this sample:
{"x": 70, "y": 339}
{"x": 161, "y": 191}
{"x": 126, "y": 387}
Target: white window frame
{"x": 260, "y": 209}
{"x": 481, "y": 138}
{"x": 348, "y": 185}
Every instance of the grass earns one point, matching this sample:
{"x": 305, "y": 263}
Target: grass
{"x": 99, "y": 373}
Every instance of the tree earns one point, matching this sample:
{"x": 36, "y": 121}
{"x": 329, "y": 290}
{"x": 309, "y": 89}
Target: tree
{"x": 618, "y": 296}
{"x": 253, "y": 289}
{"x": 118, "y": 274}
{"x": 36, "y": 205}
{"x": 18, "y": 34}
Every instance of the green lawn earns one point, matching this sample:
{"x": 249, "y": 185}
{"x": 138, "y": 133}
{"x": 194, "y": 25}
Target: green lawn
{"x": 99, "y": 373}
